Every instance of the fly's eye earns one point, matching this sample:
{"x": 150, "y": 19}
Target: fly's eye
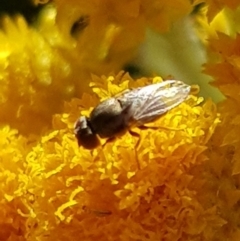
{"x": 80, "y": 25}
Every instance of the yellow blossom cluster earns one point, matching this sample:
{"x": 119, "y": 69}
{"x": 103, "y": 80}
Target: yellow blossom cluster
{"x": 216, "y": 6}
{"x": 177, "y": 179}
{"x": 33, "y": 76}
{"x": 137, "y": 187}
{"x": 224, "y": 148}
{"x": 157, "y": 14}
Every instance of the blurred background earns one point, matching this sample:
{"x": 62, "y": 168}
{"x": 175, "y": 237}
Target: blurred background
{"x": 50, "y": 50}
{"x": 178, "y": 52}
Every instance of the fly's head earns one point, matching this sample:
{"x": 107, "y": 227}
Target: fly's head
{"x": 84, "y": 133}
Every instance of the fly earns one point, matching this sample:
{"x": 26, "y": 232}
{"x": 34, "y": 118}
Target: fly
{"x": 134, "y": 107}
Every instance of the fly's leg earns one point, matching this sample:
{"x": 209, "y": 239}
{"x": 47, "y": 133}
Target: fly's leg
{"x": 137, "y": 145}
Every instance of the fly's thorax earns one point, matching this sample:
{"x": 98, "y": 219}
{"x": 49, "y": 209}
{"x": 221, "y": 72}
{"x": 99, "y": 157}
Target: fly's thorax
{"x": 109, "y": 118}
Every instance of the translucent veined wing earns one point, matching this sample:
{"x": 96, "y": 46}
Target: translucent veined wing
{"x": 152, "y": 101}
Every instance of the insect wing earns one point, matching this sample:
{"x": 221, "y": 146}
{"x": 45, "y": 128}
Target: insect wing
{"x": 152, "y": 101}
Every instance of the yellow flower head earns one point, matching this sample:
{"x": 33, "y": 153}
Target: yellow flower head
{"x": 177, "y": 178}
{"x": 135, "y": 186}
{"x": 222, "y": 171}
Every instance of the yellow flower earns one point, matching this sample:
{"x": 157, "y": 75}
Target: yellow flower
{"x": 216, "y": 6}
{"x": 50, "y": 64}
{"x": 221, "y": 186}
{"x": 30, "y": 71}
{"x": 135, "y": 186}
{"x": 177, "y": 179}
